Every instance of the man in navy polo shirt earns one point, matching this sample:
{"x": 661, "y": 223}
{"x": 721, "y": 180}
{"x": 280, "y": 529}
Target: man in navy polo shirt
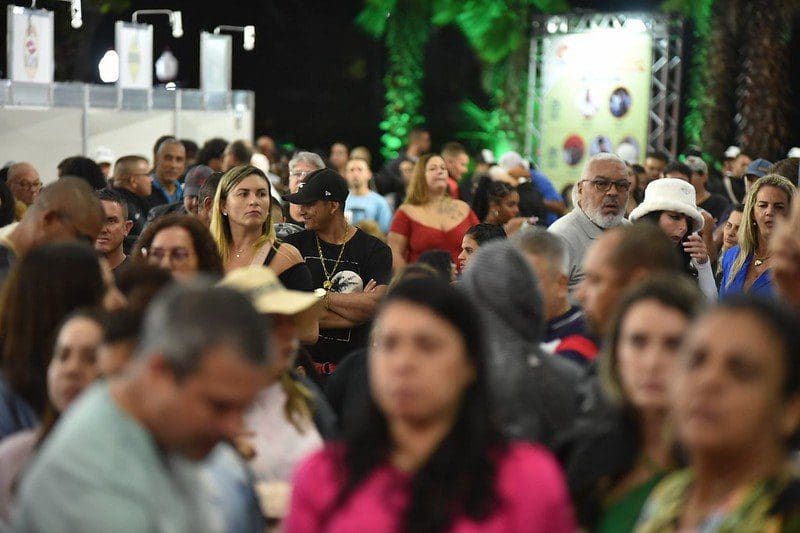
{"x": 170, "y": 163}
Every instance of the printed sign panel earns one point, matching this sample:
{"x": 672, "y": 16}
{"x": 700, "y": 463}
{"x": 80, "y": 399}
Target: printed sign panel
{"x": 30, "y": 45}
{"x": 134, "y": 45}
{"x": 215, "y": 62}
{"x": 595, "y": 98}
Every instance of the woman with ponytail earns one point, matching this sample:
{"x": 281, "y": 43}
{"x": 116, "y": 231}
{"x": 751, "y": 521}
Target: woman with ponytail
{"x": 497, "y": 202}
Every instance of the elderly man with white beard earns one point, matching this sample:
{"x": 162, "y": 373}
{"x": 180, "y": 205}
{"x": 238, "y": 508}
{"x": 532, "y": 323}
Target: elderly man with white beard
{"x": 601, "y": 194}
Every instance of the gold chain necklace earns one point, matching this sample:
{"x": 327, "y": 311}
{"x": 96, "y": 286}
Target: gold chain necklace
{"x": 327, "y": 284}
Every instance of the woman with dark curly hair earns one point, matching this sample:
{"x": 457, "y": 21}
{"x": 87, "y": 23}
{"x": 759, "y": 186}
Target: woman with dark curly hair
{"x": 180, "y": 244}
{"x": 425, "y": 455}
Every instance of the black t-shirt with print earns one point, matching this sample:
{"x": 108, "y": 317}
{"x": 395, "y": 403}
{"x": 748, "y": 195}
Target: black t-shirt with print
{"x": 364, "y": 258}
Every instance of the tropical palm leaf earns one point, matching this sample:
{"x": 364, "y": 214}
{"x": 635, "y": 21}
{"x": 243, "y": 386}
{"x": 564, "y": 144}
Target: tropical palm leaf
{"x": 373, "y": 18}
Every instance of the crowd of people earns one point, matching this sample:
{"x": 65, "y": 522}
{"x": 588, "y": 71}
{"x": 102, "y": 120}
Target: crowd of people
{"x": 236, "y": 337}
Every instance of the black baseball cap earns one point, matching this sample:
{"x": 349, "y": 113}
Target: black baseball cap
{"x": 324, "y": 184}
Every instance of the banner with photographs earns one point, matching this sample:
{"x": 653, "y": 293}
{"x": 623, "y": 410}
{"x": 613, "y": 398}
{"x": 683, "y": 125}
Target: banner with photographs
{"x": 30, "y": 45}
{"x": 595, "y": 98}
{"x": 134, "y": 44}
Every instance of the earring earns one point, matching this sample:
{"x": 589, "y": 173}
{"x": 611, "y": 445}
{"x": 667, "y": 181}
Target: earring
{"x": 224, "y": 214}
{"x": 496, "y": 212}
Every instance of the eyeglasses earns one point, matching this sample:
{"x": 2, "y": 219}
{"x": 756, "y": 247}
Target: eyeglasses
{"x": 29, "y": 186}
{"x": 176, "y": 255}
{"x": 604, "y": 185}
{"x": 299, "y": 173}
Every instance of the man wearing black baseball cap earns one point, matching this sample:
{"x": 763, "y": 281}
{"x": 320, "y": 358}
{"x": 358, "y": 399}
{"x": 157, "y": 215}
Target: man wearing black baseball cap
{"x": 351, "y": 267}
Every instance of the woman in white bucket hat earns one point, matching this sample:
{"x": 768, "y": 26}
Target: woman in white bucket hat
{"x": 670, "y": 203}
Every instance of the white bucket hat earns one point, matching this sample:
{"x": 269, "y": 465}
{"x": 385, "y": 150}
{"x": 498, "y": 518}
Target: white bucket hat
{"x": 670, "y": 194}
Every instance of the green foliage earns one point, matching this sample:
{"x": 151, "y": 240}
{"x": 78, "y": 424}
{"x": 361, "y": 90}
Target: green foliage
{"x": 405, "y": 27}
{"x": 487, "y": 128}
{"x": 373, "y": 18}
{"x": 496, "y": 30}
{"x": 698, "y": 99}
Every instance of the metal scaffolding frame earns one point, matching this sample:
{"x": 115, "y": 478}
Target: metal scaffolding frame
{"x": 666, "y": 71}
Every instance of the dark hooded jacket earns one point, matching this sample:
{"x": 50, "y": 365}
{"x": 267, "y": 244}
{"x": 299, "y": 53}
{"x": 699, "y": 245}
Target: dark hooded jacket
{"x": 541, "y": 397}
{"x": 535, "y": 393}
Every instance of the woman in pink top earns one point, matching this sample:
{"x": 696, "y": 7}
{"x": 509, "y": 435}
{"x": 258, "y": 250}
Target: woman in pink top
{"x": 430, "y": 218}
{"x": 425, "y": 456}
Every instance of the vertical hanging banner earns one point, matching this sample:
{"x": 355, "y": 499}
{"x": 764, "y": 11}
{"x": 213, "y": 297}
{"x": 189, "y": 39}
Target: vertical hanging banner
{"x": 30, "y": 44}
{"x": 134, "y": 45}
{"x": 215, "y": 62}
{"x": 595, "y": 98}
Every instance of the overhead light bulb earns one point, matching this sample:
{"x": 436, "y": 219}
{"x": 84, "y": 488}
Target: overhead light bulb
{"x": 109, "y": 67}
{"x": 249, "y": 37}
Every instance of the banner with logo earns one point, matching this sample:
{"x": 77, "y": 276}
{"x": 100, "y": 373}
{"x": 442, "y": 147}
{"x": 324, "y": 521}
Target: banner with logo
{"x": 595, "y": 98}
{"x": 215, "y": 62}
{"x": 134, "y": 45}
{"x": 30, "y": 45}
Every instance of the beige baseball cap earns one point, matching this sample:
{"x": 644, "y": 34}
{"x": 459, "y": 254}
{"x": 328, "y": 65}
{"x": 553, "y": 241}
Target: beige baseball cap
{"x": 268, "y": 294}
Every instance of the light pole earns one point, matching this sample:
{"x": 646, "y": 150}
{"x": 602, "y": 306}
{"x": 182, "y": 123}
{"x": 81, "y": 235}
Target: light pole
{"x": 74, "y": 11}
{"x": 248, "y": 31}
{"x": 175, "y": 19}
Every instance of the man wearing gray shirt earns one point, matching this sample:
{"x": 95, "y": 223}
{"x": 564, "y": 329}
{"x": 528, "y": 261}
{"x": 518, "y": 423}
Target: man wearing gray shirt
{"x": 602, "y": 193}
{"x": 125, "y": 456}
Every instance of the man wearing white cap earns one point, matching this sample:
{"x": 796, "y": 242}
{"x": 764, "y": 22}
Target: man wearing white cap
{"x": 519, "y": 168}
{"x": 104, "y": 158}
{"x": 732, "y": 181}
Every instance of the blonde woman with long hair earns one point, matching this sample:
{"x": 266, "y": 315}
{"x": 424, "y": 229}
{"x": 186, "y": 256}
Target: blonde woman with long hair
{"x": 746, "y": 267}
{"x": 241, "y": 224}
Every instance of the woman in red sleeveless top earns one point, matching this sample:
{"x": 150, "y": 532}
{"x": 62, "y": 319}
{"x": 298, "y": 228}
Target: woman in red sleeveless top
{"x": 430, "y": 218}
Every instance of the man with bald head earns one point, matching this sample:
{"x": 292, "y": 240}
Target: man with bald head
{"x": 601, "y": 193}
{"x": 65, "y": 210}
{"x": 24, "y": 182}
